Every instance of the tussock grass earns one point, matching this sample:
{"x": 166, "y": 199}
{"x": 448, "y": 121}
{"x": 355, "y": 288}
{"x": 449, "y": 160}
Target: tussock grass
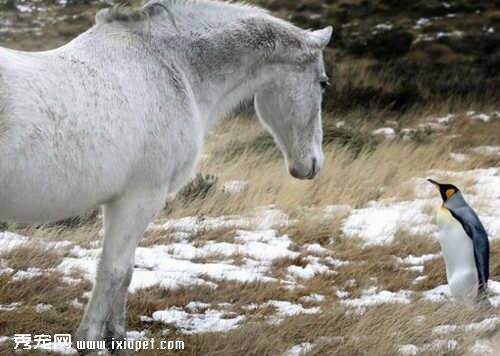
{"x": 348, "y": 177}
{"x": 351, "y": 176}
{"x": 47, "y": 289}
{"x": 31, "y": 256}
{"x": 420, "y": 81}
{"x": 336, "y": 332}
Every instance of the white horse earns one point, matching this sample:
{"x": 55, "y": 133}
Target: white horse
{"x": 117, "y": 118}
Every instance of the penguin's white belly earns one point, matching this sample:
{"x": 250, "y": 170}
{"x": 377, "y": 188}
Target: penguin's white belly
{"x": 458, "y": 253}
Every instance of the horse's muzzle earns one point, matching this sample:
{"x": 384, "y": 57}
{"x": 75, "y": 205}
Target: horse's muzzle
{"x": 310, "y": 175}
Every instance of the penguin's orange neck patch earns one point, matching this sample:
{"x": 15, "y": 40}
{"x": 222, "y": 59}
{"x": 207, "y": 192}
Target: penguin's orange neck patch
{"x": 449, "y": 193}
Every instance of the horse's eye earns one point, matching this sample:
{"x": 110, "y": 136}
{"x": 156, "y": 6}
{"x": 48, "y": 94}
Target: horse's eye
{"x": 324, "y": 84}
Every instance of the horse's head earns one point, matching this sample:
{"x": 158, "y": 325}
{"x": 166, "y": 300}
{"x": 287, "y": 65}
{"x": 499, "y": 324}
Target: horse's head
{"x": 289, "y": 106}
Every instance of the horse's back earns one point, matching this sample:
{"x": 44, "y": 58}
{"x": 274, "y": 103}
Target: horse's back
{"x": 59, "y": 155}
{"x": 82, "y": 129}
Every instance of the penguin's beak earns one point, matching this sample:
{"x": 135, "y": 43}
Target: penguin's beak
{"x": 434, "y": 182}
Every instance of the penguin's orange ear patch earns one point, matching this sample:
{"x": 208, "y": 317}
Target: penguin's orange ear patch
{"x": 449, "y": 193}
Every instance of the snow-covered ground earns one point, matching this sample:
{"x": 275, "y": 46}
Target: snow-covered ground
{"x": 379, "y": 221}
{"x": 256, "y": 244}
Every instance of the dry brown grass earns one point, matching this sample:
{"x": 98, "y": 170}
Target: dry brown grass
{"x": 382, "y": 172}
{"x": 345, "y": 179}
{"x": 377, "y": 332}
{"x": 32, "y": 255}
{"x": 47, "y": 289}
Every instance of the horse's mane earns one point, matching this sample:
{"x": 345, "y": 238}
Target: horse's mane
{"x": 201, "y": 12}
{"x": 190, "y": 17}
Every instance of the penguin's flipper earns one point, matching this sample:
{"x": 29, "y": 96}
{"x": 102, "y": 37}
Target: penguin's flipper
{"x": 475, "y": 230}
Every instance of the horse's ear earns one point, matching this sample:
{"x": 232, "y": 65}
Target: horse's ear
{"x": 321, "y": 38}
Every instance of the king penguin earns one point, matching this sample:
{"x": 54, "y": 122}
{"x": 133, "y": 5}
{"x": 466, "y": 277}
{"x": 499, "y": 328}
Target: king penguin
{"x": 464, "y": 244}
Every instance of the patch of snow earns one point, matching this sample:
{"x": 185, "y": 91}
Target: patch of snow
{"x": 6, "y": 270}
{"x": 459, "y": 157}
{"x": 417, "y": 260}
{"x": 383, "y": 26}
{"x": 312, "y": 298}
{"x": 9, "y": 307}
{"x": 146, "y": 319}
{"x": 444, "y": 329}
{"x": 209, "y": 321}
{"x": 481, "y": 116}
{"x": 420, "y": 319}
{"x": 379, "y": 221}
{"x": 70, "y": 280}
{"x": 24, "y": 8}
{"x": 444, "y": 120}
{"x": 418, "y": 269}
{"x": 485, "y": 325}
{"x": 424, "y": 38}
{"x": 136, "y": 335}
{"x": 197, "y": 306}
{"x": 351, "y": 283}
{"x": 41, "y": 307}
{"x": 76, "y": 304}
{"x": 4, "y": 339}
{"x": 370, "y": 297}
{"x": 494, "y": 288}
{"x": 262, "y": 219}
{"x": 420, "y": 279}
{"x": 435, "y": 346}
{"x": 234, "y": 186}
{"x": 156, "y": 266}
{"x": 31, "y": 272}
{"x": 341, "y": 293}
{"x": 285, "y": 309}
{"x": 260, "y": 245}
{"x": 455, "y": 33}
{"x": 487, "y": 150}
{"x": 299, "y": 349}
{"x": 387, "y": 132}
{"x": 407, "y": 133}
{"x": 10, "y": 240}
{"x": 307, "y": 272}
{"x": 169, "y": 266}
{"x": 265, "y": 245}
{"x": 316, "y": 248}
{"x": 422, "y": 22}
{"x": 438, "y": 294}
{"x": 335, "y": 262}
{"x": 437, "y": 123}
{"x": 408, "y": 350}
{"x": 483, "y": 348}
{"x": 251, "y": 306}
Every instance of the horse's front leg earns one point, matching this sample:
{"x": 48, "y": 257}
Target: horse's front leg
{"x": 125, "y": 220}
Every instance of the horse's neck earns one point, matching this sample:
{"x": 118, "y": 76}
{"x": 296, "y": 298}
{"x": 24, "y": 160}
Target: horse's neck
{"x": 228, "y": 66}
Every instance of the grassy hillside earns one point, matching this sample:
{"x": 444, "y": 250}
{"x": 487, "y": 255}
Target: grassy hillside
{"x": 356, "y": 269}
{"x": 385, "y": 54}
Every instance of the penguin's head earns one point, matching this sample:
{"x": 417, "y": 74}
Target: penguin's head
{"x": 446, "y": 190}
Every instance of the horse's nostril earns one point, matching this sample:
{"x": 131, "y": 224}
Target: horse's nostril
{"x": 294, "y": 173}
{"x": 313, "y": 170}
